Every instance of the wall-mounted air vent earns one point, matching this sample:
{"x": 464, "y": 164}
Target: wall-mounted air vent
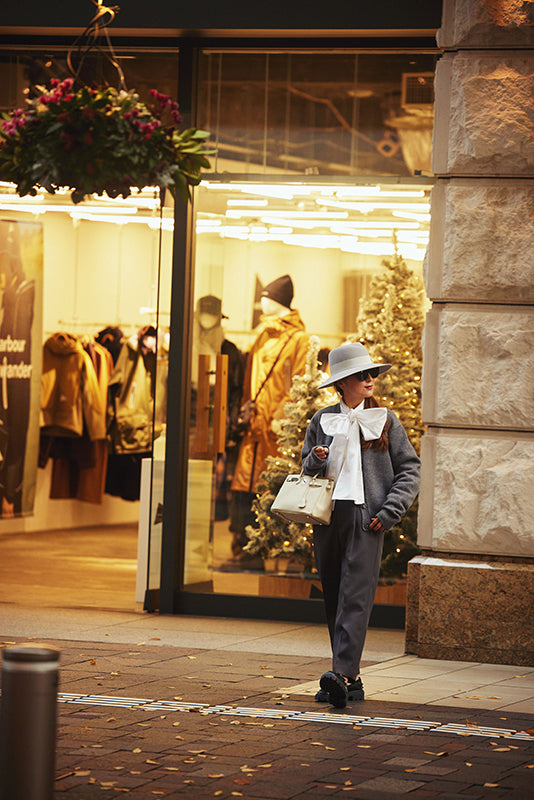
{"x": 417, "y": 89}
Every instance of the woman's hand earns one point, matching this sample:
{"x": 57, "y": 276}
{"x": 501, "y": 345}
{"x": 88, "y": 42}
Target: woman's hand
{"x": 321, "y": 452}
{"x": 376, "y": 525}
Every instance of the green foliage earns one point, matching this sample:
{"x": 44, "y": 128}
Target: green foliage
{"x": 97, "y": 140}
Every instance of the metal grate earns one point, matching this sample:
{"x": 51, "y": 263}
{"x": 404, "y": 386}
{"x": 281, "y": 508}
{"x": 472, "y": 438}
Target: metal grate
{"x": 417, "y": 89}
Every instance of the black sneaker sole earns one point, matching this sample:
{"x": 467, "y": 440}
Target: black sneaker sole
{"x": 336, "y": 689}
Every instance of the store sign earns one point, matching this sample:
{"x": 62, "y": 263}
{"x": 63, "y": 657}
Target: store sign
{"x": 21, "y": 270}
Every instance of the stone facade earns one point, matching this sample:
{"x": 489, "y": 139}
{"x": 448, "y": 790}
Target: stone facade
{"x": 476, "y": 502}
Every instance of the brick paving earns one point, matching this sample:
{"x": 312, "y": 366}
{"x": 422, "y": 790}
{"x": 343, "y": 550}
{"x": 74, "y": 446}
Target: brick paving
{"x": 106, "y": 751}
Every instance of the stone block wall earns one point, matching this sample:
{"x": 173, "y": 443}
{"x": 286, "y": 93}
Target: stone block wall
{"x": 476, "y": 499}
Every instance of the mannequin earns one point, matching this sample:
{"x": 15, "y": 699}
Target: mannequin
{"x": 278, "y": 353}
{"x": 210, "y": 339}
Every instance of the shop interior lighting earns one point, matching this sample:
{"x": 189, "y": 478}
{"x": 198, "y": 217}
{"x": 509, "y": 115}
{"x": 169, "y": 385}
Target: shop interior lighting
{"x": 247, "y": 201}
{"x": 326, "y": 215}
{"x": 366, "y": 208}
{"x": 419, "y": 216}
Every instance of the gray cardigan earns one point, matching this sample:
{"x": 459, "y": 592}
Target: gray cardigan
{"x": 391, "y": 478}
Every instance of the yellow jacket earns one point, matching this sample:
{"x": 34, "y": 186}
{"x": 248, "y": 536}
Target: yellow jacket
{"x": 259, "y": 441}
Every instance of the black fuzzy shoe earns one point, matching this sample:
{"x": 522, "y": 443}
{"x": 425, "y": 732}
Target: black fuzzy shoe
{"x": 355, "y": 690}
{"x": 336, "y": 688}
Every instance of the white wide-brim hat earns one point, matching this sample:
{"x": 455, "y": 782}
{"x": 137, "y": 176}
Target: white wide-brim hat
{"x": 347, "y": 359}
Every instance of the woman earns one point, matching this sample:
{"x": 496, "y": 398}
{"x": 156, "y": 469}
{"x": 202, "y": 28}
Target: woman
{"x": 365, "y": 449}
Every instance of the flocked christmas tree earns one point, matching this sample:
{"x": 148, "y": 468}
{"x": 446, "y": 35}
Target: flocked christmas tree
{"x": 271, "y": 536}
{"x": 390, "y": 325}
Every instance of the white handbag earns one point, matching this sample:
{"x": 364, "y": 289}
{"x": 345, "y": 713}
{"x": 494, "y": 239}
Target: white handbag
{"x": 305, "y": 498}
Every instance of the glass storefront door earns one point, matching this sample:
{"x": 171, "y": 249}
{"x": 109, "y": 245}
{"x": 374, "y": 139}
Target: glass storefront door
{"x": 314, "y": 246}
{"x": 318, "y": 178}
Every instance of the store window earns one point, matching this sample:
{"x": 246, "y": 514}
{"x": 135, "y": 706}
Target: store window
{"x": 321, "y": 175}
{"x": 365, "y": 113}
{"x": 85, "y": 290}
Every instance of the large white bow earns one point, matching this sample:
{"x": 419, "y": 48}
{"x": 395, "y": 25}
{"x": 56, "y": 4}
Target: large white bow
{"x": 345, "y": 457}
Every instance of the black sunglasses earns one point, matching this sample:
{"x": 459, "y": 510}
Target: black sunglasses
{"x": 361, "y": 376}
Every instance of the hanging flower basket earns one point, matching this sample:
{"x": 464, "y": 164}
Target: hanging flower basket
{"x": 99, "y": 139}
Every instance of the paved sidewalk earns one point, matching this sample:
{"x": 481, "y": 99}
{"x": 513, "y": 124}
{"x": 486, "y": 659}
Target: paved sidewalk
{"x": 173, "y": 707}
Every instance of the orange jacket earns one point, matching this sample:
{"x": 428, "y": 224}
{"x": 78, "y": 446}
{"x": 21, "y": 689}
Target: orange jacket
{"x": 259, "y": 441}
{"x": 70, "y": 394}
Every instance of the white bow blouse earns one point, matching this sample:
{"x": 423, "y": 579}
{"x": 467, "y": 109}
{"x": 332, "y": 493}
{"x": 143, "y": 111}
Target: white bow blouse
{"x": 345, "y": 454}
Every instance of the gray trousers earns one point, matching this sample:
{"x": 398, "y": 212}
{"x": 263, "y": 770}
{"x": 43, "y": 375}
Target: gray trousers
{"x": 348, "y": 558}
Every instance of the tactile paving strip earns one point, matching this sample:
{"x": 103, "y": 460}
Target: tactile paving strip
{"x": 138, "y": 703}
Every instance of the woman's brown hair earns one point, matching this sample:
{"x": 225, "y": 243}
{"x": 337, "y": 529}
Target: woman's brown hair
{"x": 382, "y": 443}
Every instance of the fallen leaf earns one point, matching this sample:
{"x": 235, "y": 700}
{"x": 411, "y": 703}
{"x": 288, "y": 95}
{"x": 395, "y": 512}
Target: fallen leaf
{"x": 172, "y": 769}
{"x": 468, "y": 764}
{"x": 111, "y": 719}
{"x": 137, "y": 750}
{"x": 175, "y": 724}
{"x": 529, "y": 766}
{"x": 500, "y": 750}
{"x": 317, "y": 744}
{"x": 495, "y": 697}
{"x": 115, "y": 673}
{"x": 219, "y": 775}
{"x": 241, "y": 782}
{"x": 530, "y": 731}
{"x": 344, "y": 769}
{"x": 491, "y": 785}
{"x": 364, "y": 746}
{"x": 154, "y": 639}
{"x": 149, "y": 761}
{"x": 264, "y": 766}
{"x": 81, "y": 773}
{"x": 439, "y": 755}
{"x": 92, "y": 661}
{"x": 329, "y": 748}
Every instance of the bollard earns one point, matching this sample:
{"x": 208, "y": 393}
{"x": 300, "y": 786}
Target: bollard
{"x": 28, "y": 720}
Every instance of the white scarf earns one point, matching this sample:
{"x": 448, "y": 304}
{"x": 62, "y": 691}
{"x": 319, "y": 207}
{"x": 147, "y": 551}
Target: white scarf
{"x": 345, "y": 454}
